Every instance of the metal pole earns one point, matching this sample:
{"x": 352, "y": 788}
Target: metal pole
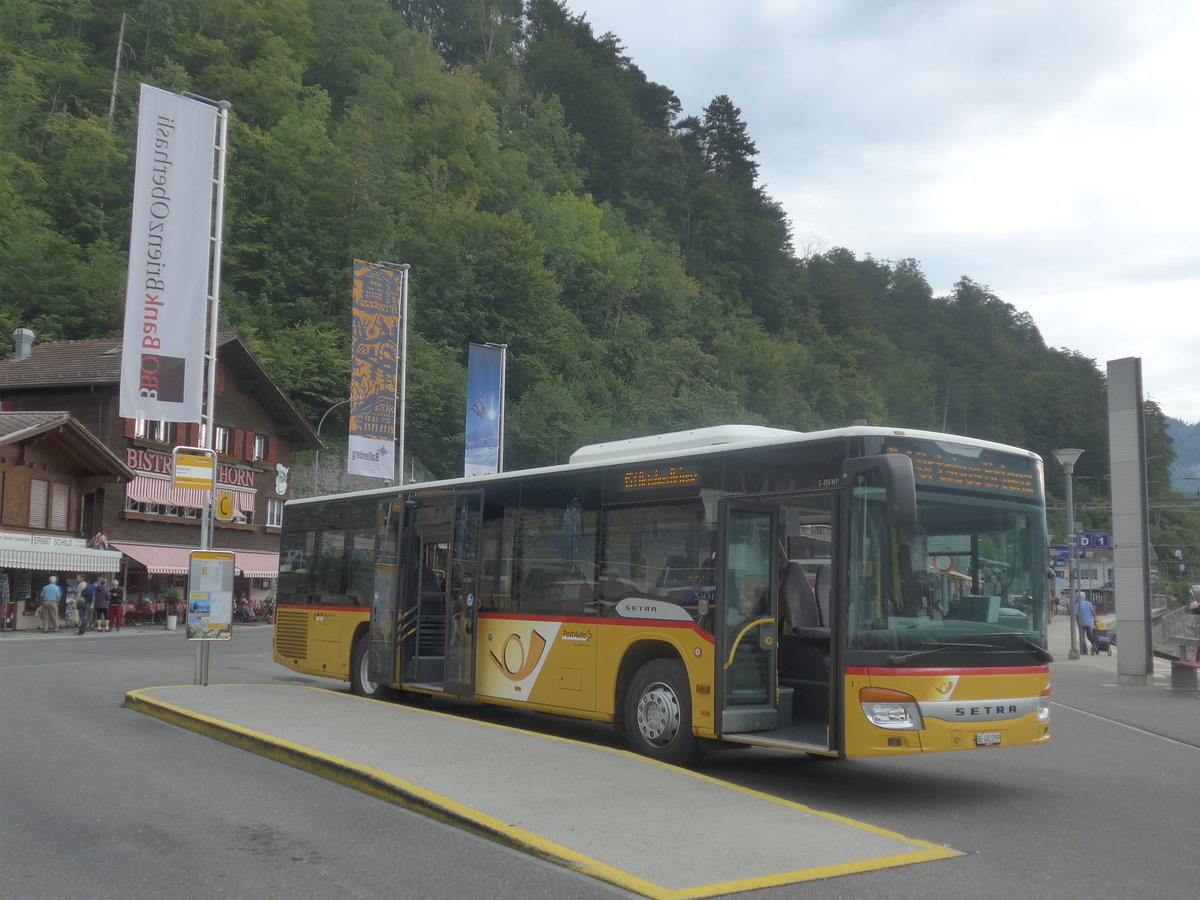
{"x": 402, "y": 377}
{"x": 1067, "y": 459}
{"x": 503, "y": 391}
{"x": 1072, "y": 571}
{"x": 112, "y": 97}
{"x": 317, "y": 454}
{"x": 403, "y": 410}
{"x": 216, "y": 244}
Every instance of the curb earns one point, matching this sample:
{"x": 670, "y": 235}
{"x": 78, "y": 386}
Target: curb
{"x": 385, "y": 787}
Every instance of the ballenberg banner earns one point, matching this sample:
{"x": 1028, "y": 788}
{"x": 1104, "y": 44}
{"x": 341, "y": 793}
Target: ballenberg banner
{"x": 485, "y": 410}
{"x": 162, "y": 355}
{"x": 375, "y": 336}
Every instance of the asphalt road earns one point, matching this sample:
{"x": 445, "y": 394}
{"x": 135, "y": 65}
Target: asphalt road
{"x": 98, "y": 801}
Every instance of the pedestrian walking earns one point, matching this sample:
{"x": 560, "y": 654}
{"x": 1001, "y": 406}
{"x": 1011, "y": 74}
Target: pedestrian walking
{"x": 83, "y": 602}
{"x": 49, "y": 610}
{"x": 1086, "y": 614}
{"x": 100, "y": 602}
{"x": 116, "y": 605}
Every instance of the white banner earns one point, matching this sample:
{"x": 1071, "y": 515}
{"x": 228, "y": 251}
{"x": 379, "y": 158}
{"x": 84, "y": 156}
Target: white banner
{"x": 371, "y": 456}
{"x": 166, "y": 308}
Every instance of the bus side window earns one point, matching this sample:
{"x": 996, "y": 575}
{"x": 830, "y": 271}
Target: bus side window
{"x": 554, "y": 545}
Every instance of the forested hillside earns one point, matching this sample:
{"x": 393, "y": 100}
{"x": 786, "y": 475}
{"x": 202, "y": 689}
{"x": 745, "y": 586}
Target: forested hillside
{"x": 547, "y": 195}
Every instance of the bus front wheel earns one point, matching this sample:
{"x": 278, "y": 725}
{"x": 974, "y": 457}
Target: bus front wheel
{"x": 360, "y": 678}
{"x": 658, "y": 713}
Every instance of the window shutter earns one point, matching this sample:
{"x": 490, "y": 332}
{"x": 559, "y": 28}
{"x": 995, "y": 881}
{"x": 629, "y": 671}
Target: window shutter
{"x": 219, "y": 381}
{"x": 272, "y": 450}
{"x": 239, "y": 440}
{"x": 130, "y": 428}
{"x": 248, "y": 447}
{"x": 39, "y": 491}
{"x": 61, "y": 506}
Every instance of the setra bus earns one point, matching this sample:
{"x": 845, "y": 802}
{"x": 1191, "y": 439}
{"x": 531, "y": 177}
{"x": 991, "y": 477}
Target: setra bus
{"x": 855, "y": 592}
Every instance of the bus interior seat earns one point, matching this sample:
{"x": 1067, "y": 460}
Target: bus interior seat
{"x": 613, "y": 589}
{"x": 799, "y": 601}
{"x": 824, "y": 576}
{"x": 676, "y": 572}
{"x": 576, "y": 598}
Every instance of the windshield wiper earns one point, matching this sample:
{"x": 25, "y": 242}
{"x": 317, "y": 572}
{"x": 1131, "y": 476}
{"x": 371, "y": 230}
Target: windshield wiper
{"x": 1039, "y": 651}
{"x": 901, "y": 658}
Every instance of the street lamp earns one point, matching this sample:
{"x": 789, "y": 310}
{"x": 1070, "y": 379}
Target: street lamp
{"x": 317, "y": 455}
{"x": 1067, "y": 459}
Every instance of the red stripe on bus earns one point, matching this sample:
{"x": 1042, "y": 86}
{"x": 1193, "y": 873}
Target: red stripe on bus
{"x": 575, "y": 620}
{"x": 958, "y": 670}
{"x": 596, "y": 620}
{"x": 303, "y": 606}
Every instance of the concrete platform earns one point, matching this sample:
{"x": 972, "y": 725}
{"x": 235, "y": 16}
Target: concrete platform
{"x": 653, "y": 829}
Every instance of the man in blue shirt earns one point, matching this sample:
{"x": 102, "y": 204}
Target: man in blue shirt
{"x": 1086, "y": 614}
{"x": 50, "y": 594}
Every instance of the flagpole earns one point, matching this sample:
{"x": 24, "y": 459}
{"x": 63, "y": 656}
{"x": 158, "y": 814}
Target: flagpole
{"x": 503, "y": 348}
{"x": 402, "y": 355}
{"x": 216, "y": 245}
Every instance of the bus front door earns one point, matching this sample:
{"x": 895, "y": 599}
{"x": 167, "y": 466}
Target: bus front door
{"x": 462, "y": 591}
{"x": 422, "y": 625}
{"x": 746, "y": 622}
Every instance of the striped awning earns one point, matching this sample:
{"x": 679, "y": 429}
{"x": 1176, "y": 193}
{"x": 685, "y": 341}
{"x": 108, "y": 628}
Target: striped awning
{"x": 167, "y": 560}
{"x": 149, "y": 489}
{"x": 76, "y": 560}
{"x": 144, "y": 489}
{"x": 158, "y": 560}
{"x": 257, "y": 565}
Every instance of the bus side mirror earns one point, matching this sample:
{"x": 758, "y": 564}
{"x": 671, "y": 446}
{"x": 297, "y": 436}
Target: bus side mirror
{"x": 894, "y": 471}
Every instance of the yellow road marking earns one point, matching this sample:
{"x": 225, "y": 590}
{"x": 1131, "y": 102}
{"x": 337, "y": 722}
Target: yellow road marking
{"x": 400, "y": 792}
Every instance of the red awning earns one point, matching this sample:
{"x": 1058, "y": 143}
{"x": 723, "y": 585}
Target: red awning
{"x": 158, "y": 560}
{"x": 163, "y": 560}
{"x": 148, "y": 489}
{"x": 258, "y": 565}
{"x": 144, "y": 489}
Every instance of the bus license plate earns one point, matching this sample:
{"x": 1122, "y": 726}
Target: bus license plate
{"x": 987, "y": 739}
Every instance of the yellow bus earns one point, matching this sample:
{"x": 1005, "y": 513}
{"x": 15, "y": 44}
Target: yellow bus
{"x": 855, "y": 592}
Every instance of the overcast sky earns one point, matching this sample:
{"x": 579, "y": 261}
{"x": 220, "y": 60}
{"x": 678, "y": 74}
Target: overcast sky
{"x": 1047, "y": 150}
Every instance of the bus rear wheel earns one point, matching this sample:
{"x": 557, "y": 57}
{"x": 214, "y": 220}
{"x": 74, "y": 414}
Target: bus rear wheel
{"x": 360, "y": 678}
{"x": 658, "y": 713}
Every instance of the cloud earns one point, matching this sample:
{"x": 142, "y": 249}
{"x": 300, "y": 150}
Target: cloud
{"x": 1044, "y": 149}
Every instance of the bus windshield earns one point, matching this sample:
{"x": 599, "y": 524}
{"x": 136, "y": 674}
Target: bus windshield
{"x": 970, "y": 577}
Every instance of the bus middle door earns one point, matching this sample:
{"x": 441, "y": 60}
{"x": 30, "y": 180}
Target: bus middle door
{"x": 747, "y": 619}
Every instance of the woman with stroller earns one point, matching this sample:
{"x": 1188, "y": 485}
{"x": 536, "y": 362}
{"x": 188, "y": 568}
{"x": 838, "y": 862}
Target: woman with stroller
{"x": 1086, "y": 614}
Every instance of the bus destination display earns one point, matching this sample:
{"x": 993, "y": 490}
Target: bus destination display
{"x": 660, "y": 477}
{"x": 982, "y": 470}
{"x": 661, "y": 481}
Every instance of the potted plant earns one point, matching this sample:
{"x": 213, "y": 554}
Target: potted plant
{"x": 171, "y": 598}
{"x": 268, "y": 609}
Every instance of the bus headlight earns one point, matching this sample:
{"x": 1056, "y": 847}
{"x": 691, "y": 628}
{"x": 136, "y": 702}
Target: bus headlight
{"x": 893, "y": 710}
{"x": 1043, "y": 713}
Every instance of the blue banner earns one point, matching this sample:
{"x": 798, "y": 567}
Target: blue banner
{"x": 485, "y": 410}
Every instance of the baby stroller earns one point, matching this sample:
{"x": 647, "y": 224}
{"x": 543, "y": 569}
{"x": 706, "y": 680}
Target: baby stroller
{"x": 1101, "y": 642}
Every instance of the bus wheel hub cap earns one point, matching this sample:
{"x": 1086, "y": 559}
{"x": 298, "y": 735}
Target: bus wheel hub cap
{"x": 658, "y": 714}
